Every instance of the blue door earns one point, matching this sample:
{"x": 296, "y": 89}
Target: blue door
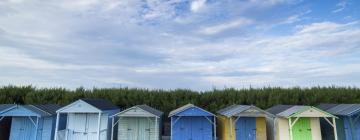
{"x": 192, "y": 128}
{"x": 201, "y": 128}
{"x": 22, "y": 129}
{"x": 347, "y": 128}
{"x": 357, "y": 129}
{"x": 181, "y": 128}
{"x": 245, "y": 128}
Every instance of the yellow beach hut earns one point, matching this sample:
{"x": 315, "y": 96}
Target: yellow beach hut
{"x": 247, "y": 123}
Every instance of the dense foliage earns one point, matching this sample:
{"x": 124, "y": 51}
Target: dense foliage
{"x": 167, "y": 100}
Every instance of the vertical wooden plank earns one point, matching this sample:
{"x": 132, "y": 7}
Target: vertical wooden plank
{"x": 315, "y": 128}
{"x": 57, "y": 126}
{"x": 260, "y": 128}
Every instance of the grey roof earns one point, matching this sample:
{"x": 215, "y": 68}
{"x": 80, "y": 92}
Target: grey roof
{"x": 289, "y": 110}
{"x": 238, "y": 109}
{"x": 187, "y": 106}
{"x": 4, "y": 107}
{"x": 48, "y": 108}
{"x": 341, "y": 109}
{"x": 151, "y": 110}
{"x": 278, "y": 109}
{"x": 100, "y": 104}
{"x": 41, "y": 110}
{"x": 233, "y": 109}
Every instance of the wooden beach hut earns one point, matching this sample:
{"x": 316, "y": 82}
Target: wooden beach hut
{"x": 140, "y": 122}
{"x": 87, "y": 119}
{"x": 296, "y": 122}
{"x": 348, "y": 124}
{"x": 27, "y": 122}
{"x": 247, "y": 123}
{"x": 190, "y": 122}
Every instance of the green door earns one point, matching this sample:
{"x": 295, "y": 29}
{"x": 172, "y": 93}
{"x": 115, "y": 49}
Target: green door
{"x": 302, "y": 129}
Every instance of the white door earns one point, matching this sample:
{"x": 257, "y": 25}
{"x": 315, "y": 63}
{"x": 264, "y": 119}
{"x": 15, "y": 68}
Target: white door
{"x": 92, "y": 126}
{"x": 76, "y": 126}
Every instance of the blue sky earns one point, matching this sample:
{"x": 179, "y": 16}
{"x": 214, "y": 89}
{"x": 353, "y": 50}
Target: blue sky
{"x": 194, "y": 44}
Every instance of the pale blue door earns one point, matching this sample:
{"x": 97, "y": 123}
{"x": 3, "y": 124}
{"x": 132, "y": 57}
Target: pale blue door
{"x": 245, "y": 128}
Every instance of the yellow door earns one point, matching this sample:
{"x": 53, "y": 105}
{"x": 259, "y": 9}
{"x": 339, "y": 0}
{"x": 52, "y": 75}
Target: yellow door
{"x": 224, "y": 128}
{"x": 260, "y": 128}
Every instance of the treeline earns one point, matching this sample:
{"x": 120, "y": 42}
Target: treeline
{"x": 167, "y": 100}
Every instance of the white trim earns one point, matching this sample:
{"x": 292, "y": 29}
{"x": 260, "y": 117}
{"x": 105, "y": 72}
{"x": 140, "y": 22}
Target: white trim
{"x": 70, "y": 105}
{"x": 188, "y": 107}
{"x": 124, "y": 111}
{"x": 57, "y": 126}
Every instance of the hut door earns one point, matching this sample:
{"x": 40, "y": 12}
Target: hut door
{"x": 22, "y": 129}
{"x": 302, "y": 130}
{"x": 203, "y": 129}
{"x": 245, "y": 128}
{"x": 144, "y": 128}
{"x": 92, "y": 126}
{"x": 357, "y": 129}
{"x": 182, "y": 129}
{"x": 132, "y": 128}
{"x": 76, "y": 126}
{"x": 347, "y": 128}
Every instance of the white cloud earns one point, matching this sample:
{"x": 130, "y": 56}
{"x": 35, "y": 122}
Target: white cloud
{"x": 340, "y": 6}
{"x": 238, "y": 23}
{"x": 136, "y": 43}
{"x": 196, "y": 5}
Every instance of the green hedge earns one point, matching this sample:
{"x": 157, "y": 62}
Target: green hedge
{"x": 167, "y": 100}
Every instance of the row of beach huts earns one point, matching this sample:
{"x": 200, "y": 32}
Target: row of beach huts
{"x": 98, "y": 119}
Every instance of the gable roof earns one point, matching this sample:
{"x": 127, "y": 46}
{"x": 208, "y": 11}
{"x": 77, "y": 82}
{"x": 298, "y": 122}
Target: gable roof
{"x": 4, "y": 107}
{"x": 146, "y": 108}
{"x": 151, "y": 110}
{"x": 185, "y": 107}
{"x": 341, "y": 109}
{"x": 48, "y": 108}
{"x": 278, "y": 108}
{"x": 287, "y": 111}
{"x": 40, "y": 110}
{"x": 236, "y": 109}
{"x": 100, "y": 104}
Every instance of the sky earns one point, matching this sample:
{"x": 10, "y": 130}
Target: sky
{"x": 169, "y": 44}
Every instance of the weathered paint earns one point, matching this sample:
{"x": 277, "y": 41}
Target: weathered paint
{"x": 261, "y": 128}
{"x": 245, "y": 128}
{"x": 134, "y": 128}
{"x": 282, "y": 129}
{"x": 348, "y": 128}
{"x": 224, "y": 127}
{"x": 357, "y": 129}
{"x": 312, "y": 112}
{"x": 83, "y": 126}
{"x": 253, "y": 129}
{"x": 315, "y": 128}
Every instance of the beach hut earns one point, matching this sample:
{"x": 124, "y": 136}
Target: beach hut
{"x": 140, "y": 122}
{"x": 87, "y": 119}
{"x": 296, "y": 122}
{"x": 348, "y": 124}
{"x": 27, "y": 122}
{"x": 247, "y": 123}
{"x": 190, "y": 122}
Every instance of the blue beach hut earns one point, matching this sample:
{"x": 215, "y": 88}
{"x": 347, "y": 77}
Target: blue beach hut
{"x": 27, "y": 122}
{"x": 348, "y": 124}
{"x": 87, "y": 119}
{"x": 192, "y": 123}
